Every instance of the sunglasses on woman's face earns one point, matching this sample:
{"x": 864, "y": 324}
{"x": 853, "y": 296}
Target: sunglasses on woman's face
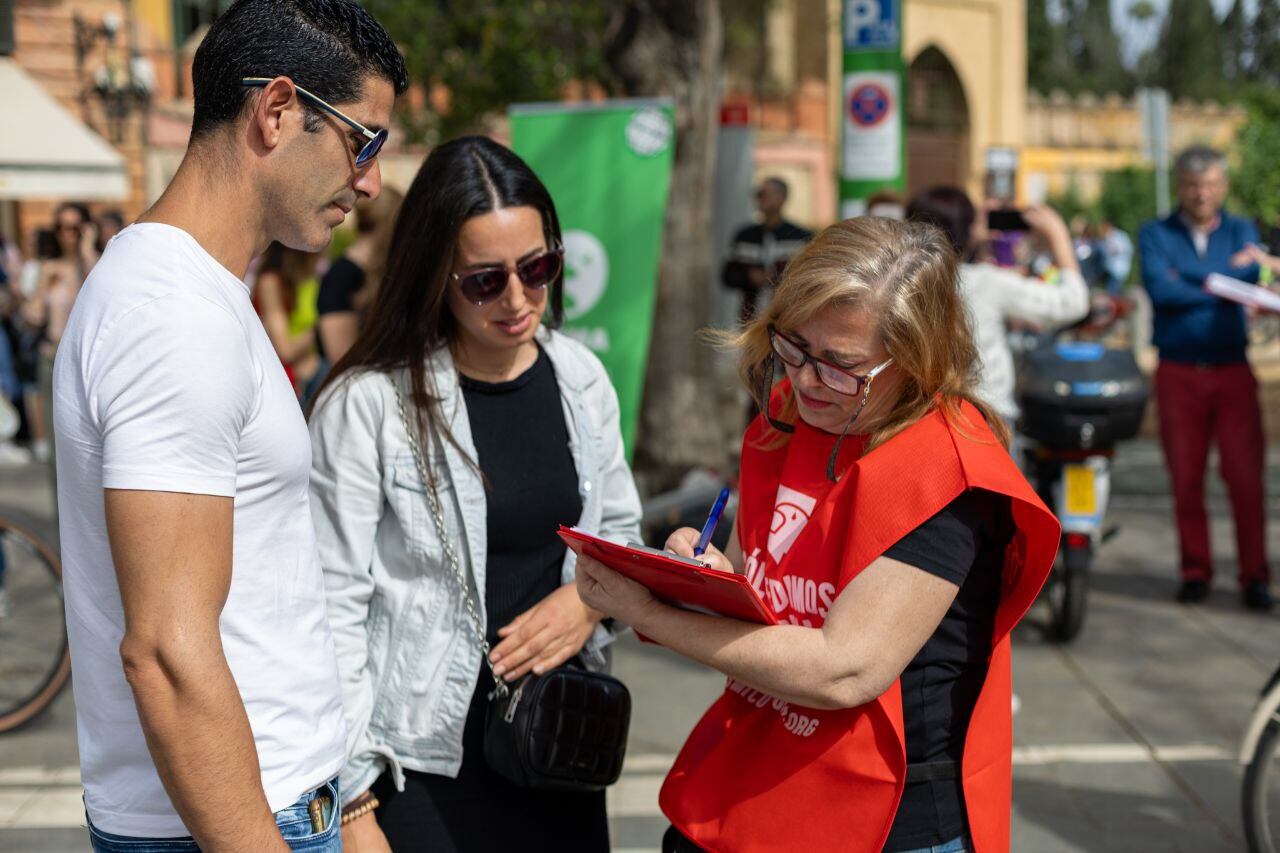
{"x": 482, "y": 286}
{"x": 838, "y": 379}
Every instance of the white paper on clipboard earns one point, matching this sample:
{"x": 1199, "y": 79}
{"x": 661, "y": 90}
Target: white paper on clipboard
{"x": 1236, "y": 290}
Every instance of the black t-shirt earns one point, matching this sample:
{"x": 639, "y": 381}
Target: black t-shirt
{"x": 531, "y": 486}
{"x": 965, "y": 544}
{"x": 337, "y": 293}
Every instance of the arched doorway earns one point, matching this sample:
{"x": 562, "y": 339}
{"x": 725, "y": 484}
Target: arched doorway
{"x": 937, "y": 123}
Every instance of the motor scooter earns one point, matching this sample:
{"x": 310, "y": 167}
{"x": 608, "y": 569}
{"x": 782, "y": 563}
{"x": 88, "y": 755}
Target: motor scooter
{"x": 1081, "y": 394}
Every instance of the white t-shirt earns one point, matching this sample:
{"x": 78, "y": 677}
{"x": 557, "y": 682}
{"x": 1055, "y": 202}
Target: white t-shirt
{"x": 166, "y": 381}
{"x": 993, "y": 295}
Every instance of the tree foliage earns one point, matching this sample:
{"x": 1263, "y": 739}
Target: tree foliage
{"x": 1128, "y": 198}
{"x": 1265, "y": 47}
{"x": 1077, "y": 52}
{"x": 476, "y": 57}
{"x": 1256, "y": 181}
{"x": 1189, "y": 56}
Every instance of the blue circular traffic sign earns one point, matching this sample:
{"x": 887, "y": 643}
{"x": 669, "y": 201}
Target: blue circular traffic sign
{"x": 868, "y": 105}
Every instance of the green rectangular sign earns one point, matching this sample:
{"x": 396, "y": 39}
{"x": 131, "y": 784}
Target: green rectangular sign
{"x": 608, "y": 167}
{"x": 872, "y": 144}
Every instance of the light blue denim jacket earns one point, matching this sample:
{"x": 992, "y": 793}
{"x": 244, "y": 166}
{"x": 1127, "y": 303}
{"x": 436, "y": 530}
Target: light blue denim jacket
{"x": 407, "y": 659}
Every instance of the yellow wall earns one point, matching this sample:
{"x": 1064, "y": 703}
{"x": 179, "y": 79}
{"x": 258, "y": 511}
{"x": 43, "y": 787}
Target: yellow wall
{"x": 158, "y": 16}
{"x": 1073, "y": 141}
{"x": 985, "y": 41}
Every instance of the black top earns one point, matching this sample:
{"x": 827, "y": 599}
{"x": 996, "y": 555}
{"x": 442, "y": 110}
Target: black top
{"x": 769, "y": 249}
{"x": 531, "y": 486}
{"x": 758, "y": 246}
{"x": 964, "y": 544}
{"x": 337, "y": 293}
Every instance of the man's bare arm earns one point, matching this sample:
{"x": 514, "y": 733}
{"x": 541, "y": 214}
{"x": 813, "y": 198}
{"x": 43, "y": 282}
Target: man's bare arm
{"x": 172, "y": 555}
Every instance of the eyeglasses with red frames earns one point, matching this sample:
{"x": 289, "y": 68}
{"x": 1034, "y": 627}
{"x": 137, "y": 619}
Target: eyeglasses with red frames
{"x": 482, "y": 286}
{"x": 838, "y": 379}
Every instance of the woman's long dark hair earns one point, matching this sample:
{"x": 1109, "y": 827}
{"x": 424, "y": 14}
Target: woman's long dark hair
{"x": 949, "y": 210}
{"x": 410, "y": 318}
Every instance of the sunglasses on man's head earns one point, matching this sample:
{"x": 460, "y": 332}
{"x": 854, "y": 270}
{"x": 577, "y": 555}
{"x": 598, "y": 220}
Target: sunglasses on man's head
{"x": 838, "y": 379}
{"x": 484, "y": 285}
{"x": 375, "y": 139}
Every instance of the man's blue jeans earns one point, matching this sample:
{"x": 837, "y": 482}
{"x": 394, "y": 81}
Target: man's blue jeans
{"x": 294, "y": 822}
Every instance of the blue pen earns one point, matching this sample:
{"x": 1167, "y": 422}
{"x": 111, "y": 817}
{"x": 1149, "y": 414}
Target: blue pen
{"x": 713, "y": 518}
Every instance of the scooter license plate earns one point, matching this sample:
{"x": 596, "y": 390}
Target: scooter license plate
{"x": 1081, "y": 488}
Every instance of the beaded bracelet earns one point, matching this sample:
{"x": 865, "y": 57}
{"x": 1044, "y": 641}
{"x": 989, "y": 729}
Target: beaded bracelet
{"x": 359, "y": 807}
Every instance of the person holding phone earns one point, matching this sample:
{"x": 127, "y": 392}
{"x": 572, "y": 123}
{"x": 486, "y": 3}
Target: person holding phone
{"x": 995, "y": 295}
{"x": 883, "y": 521}
{"x": 521, "y": 435}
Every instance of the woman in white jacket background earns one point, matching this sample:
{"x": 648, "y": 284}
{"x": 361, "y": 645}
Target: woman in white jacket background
{"x": 995, "y": 295}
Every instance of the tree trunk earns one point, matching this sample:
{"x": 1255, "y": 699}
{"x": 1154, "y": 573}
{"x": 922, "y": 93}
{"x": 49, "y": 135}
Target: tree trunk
{"x": 676, "y": 47}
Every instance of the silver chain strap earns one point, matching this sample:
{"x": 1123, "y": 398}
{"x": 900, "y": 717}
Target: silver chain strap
{"x": 446, "y": 541}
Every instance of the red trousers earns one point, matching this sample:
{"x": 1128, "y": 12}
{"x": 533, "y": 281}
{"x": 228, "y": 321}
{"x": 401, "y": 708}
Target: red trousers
{"x": 1198, "y": 405}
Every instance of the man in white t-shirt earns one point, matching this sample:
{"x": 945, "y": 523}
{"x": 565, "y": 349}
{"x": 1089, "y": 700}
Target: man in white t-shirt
{"x": 206, "y": 687}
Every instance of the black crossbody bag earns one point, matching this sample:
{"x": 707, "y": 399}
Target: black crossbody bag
{"x": 565, "y": 729}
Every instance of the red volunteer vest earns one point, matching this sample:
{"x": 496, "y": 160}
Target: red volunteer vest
{"x": 758, "y": 774}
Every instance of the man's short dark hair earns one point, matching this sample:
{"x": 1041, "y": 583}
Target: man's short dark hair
{"x": 778, "y": 184}
{"x": 328, "y": 47}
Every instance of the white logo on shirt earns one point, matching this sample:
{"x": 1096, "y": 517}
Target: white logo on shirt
{"x": 791, "y": 511}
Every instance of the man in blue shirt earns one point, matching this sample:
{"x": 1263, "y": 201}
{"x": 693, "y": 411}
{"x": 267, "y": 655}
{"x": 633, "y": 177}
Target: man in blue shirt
{"x": 1205, "y": 389}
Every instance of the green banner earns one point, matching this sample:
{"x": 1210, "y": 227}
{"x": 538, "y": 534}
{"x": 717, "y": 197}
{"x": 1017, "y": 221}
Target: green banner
{"x": 608, "y": 167}
{"x": 872, "y": 142}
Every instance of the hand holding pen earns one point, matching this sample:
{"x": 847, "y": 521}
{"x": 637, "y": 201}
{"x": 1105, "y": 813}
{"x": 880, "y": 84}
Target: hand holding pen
{"x": 687, "y": 542}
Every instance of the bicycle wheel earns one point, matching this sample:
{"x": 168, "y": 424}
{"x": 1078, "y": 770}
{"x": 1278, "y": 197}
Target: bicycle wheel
{"x": 34, "y": 660}
{"x": 1261, "y": 794}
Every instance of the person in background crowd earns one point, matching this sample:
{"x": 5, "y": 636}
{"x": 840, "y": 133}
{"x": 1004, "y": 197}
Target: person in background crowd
{"x": 208, "y": 705}
{"x": 110, "y": 223}
{"x": 49, "y": 309}
{"x": 10, "y": 385}
{"x": 285, "y": 293}
{"x": 760, "y": 251}
{"x": 1206, "y": 392}
{"x": 27, "y": 338}
{"x": 994, "y": 295}
{"x": 10, "y": 259}
{"x": 521, "y": 436}
{"x": 886, "y": 203}
{"x": 884, "y": 522}
{"x": 350, "y": 283}
{"x": 1117, "y": 254}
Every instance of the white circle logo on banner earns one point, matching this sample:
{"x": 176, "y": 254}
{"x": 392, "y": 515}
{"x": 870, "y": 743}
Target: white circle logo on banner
{"x": 586, "y": 272}
{"x": 649, "y": 131}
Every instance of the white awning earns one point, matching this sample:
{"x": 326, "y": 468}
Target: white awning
{"x": 47, "y": 153}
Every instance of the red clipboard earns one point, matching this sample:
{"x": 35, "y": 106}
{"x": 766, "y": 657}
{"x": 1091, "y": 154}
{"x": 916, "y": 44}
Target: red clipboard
{"x": 676, "y": 580}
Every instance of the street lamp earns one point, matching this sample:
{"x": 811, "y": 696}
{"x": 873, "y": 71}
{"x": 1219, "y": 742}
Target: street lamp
{"x": 123, "y": 87}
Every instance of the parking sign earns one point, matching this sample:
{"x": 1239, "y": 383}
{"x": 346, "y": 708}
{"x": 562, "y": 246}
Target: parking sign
{"x": 871, "y": 24}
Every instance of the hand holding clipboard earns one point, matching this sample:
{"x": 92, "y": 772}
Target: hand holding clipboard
{"x": 679, "y": 581}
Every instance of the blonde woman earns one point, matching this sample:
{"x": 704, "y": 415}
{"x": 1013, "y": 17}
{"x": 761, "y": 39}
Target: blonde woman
{"x": 883, "y": 520}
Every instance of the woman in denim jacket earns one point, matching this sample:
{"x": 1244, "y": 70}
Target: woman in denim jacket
{"x": 522, "y": 434}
